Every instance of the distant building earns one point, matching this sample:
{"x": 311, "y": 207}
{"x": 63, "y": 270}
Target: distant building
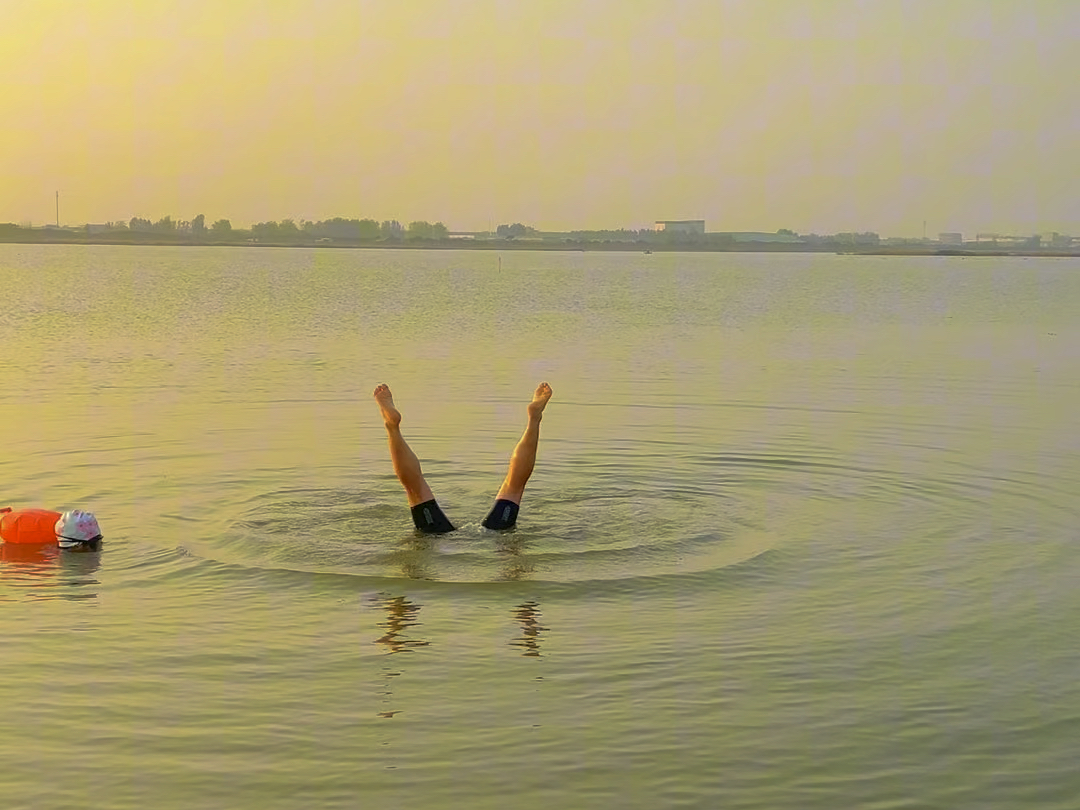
{"x": 1004, "y": 240}
{"x": 907, "y": 241}
{"x": 681, "y": 225}
{"x": 864, "y": 238}
{"x": 951, "y": 238}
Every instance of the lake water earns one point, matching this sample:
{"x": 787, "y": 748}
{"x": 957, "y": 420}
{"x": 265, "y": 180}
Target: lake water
{"x": 802, "y": 531}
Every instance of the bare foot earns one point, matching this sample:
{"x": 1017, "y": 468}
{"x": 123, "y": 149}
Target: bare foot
{"x": 391, "y": 415}
{"x": 540, "y": 400}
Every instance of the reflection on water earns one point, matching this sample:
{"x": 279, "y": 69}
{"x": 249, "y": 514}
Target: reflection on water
{"x": 24, "y": 558}
{"x": 48, "y": 572}
{"x": 401, "y": 615}
{"x": 528, "y": 614}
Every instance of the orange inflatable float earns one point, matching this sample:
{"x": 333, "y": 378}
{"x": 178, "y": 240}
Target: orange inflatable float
{"x": 77, "y": 530}
{"x": 28, "y": 525}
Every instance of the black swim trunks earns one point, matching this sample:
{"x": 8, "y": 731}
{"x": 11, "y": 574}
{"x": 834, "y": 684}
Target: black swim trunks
{"x": 429, "y": 518}
{"x": 502, "y": 516}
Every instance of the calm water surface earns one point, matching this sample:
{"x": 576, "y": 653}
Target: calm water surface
{"x": 802, "y": 532}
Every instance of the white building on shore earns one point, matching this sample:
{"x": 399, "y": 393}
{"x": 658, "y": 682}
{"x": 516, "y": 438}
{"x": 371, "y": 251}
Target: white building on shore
{"x": 681, "y": 225}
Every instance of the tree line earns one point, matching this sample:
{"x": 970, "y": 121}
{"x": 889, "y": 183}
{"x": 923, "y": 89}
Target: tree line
{"x": 391, "y": 230}
{"x": 289, "y": 230}
{"x": 196, "y": 226}
{"x": 360, "y": 230}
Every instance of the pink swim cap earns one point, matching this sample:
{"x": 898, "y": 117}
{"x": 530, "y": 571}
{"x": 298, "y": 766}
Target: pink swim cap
{"x": 77, "y": 528}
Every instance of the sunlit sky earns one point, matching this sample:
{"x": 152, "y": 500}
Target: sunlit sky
{"x": 815, "y": 115}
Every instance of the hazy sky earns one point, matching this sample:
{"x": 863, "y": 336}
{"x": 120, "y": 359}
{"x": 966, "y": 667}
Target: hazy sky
{"x": 815, "y": 115}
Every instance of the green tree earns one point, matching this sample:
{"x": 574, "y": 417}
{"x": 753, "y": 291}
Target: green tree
{"x": 165, "y": 225}
{"x": 287, "y": 230}
{"x": 391, "y": 229}
{"x": 419, "y": 230}
{"x": 221, "y": 227}
{"x": 198, "y": 225}
{"x": 514, "y": 231}
{"x": 265, "y": 230}
{"x": 439, "y": 231}
{"x": 336, "y": 228}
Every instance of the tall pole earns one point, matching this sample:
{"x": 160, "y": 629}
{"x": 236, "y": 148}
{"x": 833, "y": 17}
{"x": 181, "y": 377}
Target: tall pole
{"x": 58, "y": 209}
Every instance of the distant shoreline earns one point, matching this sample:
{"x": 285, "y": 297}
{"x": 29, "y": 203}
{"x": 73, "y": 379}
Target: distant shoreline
{"x": 53, "y": 238}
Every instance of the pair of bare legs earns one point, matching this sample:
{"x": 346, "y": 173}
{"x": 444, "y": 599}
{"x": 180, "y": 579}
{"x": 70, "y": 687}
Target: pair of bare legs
{"x": 407, "y": 465}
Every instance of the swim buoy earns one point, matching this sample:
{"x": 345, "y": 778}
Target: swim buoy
{"x": 28, "y": 525}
